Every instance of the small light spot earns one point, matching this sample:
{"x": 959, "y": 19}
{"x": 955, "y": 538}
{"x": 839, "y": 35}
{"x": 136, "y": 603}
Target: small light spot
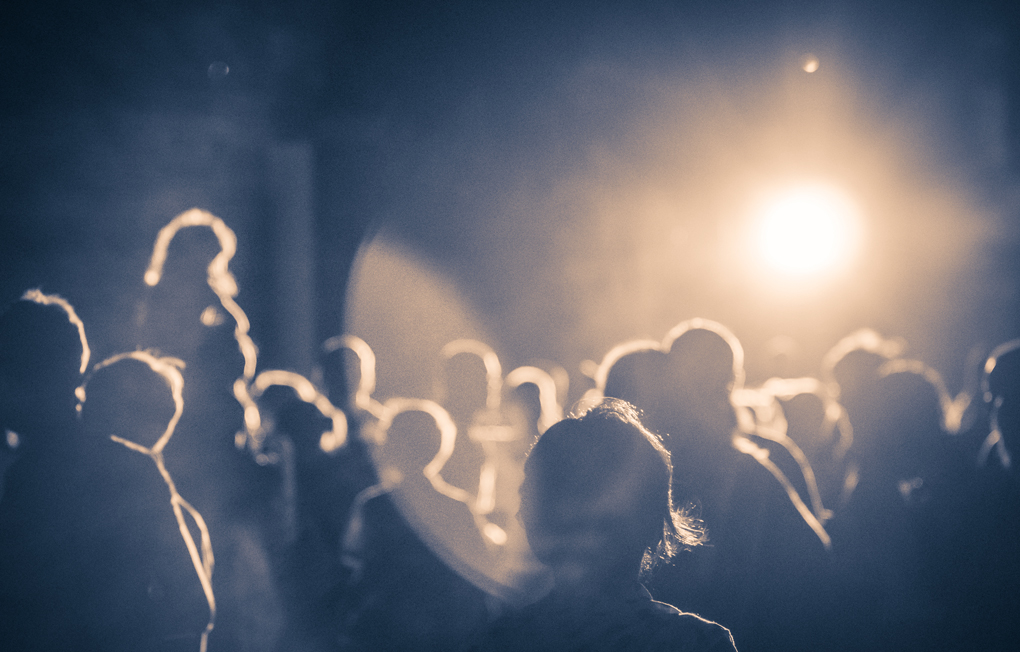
{"x": 495, "y": 534}
{"x": 810, "y": 63}
{"x": 218, "y": 70}
{"x": 211, "y": 317}
{"x": 13, "y": 440}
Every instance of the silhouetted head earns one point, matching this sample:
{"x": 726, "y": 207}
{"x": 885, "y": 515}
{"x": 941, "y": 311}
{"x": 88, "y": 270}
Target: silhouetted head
{"x": 284, "y": 413}
{"x": 340, "y": 375}
{"x": 522, "y": 406}
{"x": 1001, "y": 384}
{"x": 856, "y": 372}
{"x": 705, "y": 357}
{"x": 465, "y": 381}
{"x": 806, "y": 421}
{"x": 705, "y": 364}
{"x": 417, "y": 434}
{"x": 596, "y": 500}
{"x": 902, "y": 435}
{"x": 41, "y": 357}
{"x": 639, "y": 377}
{"x": 130, "y": 400}
{"x": 850, "y": 368}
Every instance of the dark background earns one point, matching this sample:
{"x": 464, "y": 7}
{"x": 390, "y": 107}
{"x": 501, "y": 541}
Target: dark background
{"x": 335, "y": 118}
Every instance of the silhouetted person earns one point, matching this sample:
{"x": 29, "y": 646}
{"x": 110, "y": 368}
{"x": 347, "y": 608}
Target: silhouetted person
{"x": 897, "y": 538}
{"x": 991, "y": 599}
{"x": 404, "y": 594}
{"x": 767, "y": 550}
{"x": 702, "y": 372}
{"x": 851, "y": 369}
{"x": 306, "y": 515}
{"x": 41, "y": 360}
{"x": 803, "y": 409}
{"x": 143, "y": 588}
{"x": 597, "y": 507}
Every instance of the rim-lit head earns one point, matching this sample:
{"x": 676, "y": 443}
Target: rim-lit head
{"x": 41, "y": 354}
{"x": 128, "y": 399}
{"x": 596, "y": 499}
{"x": 1001, "y": 386}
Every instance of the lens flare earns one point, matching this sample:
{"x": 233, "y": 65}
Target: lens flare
{"x": 807, "y": 230}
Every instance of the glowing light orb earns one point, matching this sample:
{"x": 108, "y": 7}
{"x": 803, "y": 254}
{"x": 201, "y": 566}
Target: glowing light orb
{"x": 807, "y": 230}
{"x": 810, "y": 63}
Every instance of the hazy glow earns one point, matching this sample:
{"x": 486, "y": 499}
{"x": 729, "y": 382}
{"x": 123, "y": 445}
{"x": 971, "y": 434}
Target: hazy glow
{"x": 807, "y": 230}
{"x": 810, "y": 63}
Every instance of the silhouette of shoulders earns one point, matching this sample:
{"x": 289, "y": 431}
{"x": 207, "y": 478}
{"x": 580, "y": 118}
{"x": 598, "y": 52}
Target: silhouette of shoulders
{"x": 633, "y": 623}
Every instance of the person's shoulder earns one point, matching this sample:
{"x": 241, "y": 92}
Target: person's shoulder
{"x": 690, "y": 632}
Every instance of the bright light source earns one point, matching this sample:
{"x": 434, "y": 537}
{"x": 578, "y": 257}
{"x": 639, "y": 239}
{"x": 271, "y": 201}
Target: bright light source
{"x": 807, "y": 230}
{"x": 810, "y": 63}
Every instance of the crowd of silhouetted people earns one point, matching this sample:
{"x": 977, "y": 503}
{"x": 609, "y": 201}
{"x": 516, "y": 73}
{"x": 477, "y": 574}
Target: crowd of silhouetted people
{"x": 157, "y": 503}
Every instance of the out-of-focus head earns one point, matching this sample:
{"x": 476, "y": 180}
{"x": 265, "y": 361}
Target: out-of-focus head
{"x": 596, "y": 497}
{"x": 851, "y": 366}
{"x": 806, "y": 422}
{"x": 523, "y": 408}
{"x": 705, "y": 363}
{"x": 130, "y": 400}
{"x": 706, "y": 357}
{"x": 855, "y": 372}
{"x": 903, "y": 433}
{"x": 41, "y": 356}
{"x": 639, "y": 377}
{"x": 415, "y": 434}
{"x": 465, "y": 386}
{"x": 1001, "y": 385}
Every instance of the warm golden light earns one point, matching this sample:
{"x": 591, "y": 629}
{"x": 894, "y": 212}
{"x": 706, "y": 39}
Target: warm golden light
{"x": 807, "y": 230}
{"x": 810, "y": 63}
